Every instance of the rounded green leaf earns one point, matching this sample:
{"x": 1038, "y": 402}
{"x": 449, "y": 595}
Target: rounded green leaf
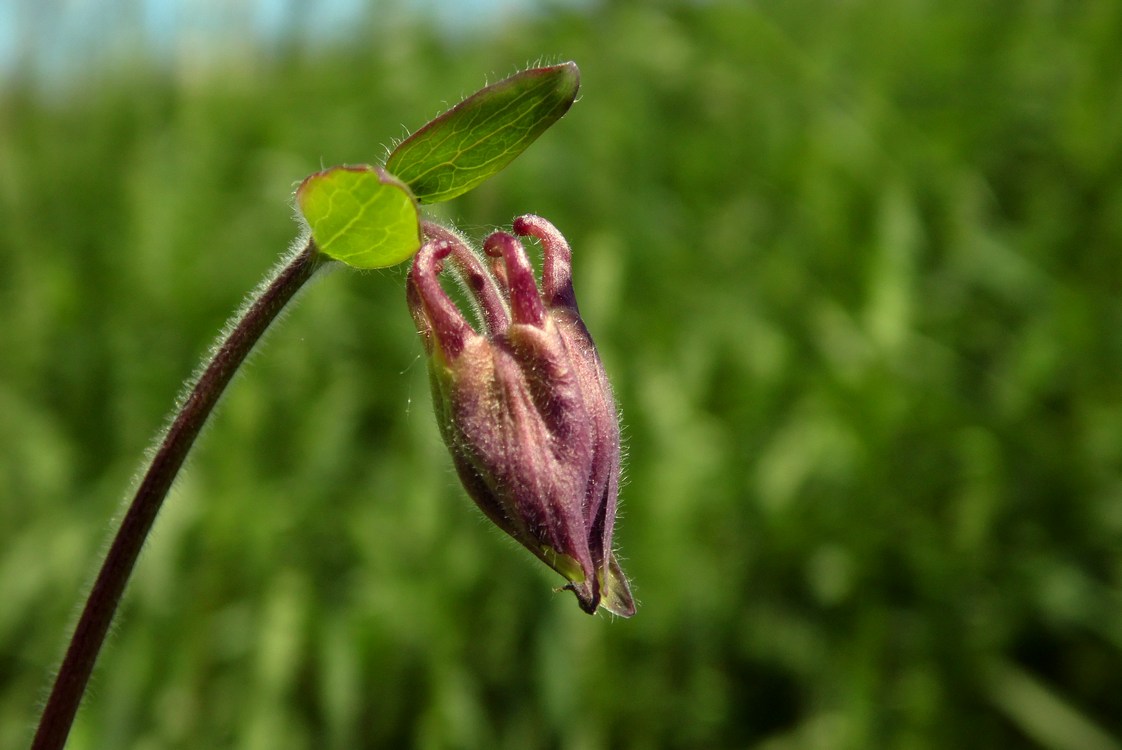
{"x": 360, "y": 215}
{"x": 482, "y": 134}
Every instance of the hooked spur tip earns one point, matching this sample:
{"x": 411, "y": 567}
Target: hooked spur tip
{"x": 557, "y": 260}
{"x": 436, "y": 316}
{"x": 525, "y": 301}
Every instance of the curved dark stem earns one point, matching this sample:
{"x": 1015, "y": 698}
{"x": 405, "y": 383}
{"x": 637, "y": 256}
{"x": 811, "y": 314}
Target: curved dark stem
{"x": 89, "y": 634}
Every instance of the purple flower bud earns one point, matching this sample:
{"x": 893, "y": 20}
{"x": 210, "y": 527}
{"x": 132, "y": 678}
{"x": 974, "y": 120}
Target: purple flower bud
{"x": 525, "y": 407}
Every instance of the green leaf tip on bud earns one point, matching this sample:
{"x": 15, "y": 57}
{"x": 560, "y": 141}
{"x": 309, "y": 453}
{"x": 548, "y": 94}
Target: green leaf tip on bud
{"x": 525, "y": 407}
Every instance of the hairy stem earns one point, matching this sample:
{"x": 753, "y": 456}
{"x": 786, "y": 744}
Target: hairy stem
{"x": 89, "y": 634}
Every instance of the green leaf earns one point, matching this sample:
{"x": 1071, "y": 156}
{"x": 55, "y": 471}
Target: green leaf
{"x": 482, "y": 134}
{"x": 361, "y": 216}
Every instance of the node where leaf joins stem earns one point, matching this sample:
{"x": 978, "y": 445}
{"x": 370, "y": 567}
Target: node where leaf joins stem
{"x": 101, "y": 604}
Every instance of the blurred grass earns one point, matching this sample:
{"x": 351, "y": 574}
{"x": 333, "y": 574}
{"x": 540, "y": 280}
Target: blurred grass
{"x": 854, "y": 269}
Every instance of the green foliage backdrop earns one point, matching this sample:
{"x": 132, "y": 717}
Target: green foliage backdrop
{"x": 855, "y": 270}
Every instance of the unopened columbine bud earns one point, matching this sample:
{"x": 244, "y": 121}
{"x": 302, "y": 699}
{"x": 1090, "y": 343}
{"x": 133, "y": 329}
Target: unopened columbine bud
{"x": 525, "y": 407}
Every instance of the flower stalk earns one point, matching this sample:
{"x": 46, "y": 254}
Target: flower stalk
{"x": 101, "y": 604}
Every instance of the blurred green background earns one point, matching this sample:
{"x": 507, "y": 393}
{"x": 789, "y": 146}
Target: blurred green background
{"x": 854, "y": 268}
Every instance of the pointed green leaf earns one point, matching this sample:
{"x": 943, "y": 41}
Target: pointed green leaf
{"x": 616, "y": 592}
{"x": 482, "y": 134}
{"x": 360, "y": 215}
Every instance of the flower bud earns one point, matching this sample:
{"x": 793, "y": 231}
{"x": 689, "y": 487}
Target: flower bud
{"x": 525, "y": 407}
